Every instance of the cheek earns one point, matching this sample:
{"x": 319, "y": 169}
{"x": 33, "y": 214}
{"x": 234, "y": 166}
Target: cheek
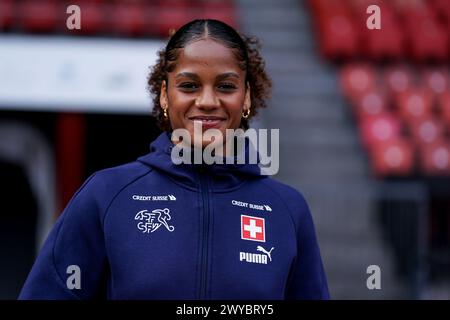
{"x": 179, "y": 104}
{"x": 177, "y": 108}
{"x": 178, "y": 100}
{"x": 235, "y": 106}
{"x": 235, "y": 114}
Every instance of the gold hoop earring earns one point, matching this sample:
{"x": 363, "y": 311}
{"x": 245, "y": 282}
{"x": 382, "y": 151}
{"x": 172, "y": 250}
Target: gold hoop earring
{"x": 246, "y": 113}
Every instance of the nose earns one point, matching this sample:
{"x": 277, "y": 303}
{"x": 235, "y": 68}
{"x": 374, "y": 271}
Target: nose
{"x": 207, "y": 99}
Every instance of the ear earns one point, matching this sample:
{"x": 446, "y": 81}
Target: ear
{"x": 247, "y": 98}
{"x": 163, "y": 100}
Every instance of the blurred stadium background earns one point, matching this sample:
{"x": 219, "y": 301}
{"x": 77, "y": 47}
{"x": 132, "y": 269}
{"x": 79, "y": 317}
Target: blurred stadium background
{"x": 364, "y": 118}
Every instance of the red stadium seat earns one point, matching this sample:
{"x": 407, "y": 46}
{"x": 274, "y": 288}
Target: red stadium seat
{"x": 357, "y": 79}
{"x": 442, "y": 11}
{"x": 402, "y": 6}
{"x": 166, "y": 18}
{"x": 444, "y": 107}
{"x": 93, "y": 17}
{"x": 434, "y": 159}
{"x": 220, "y": 10}
{"x": 428, "y": 40}
{"x": 380, "y": 44}
{"x": 414, "y": 104}
{"x": 370, "y": 103}
{"x": 398, "y": 79}
{"x": 392, "y": 158}
{"x": 379, "y": 128}
{"x": 427, "y": 131}
{"x": 176, "y": 4}
{"x": 361, "y": 5}
{"x": 40, "y": 16}
{"x": 441, "y": 8}
{"x": 338, "y": 37}
{"x": 6, "y": 14}
{"x": 322, "y": 8}
{"x": 436, "y": 80}
{"x": 386, "y": 43}
{"x": 129, "y": 19}
{"x": 411, "y": 10}
{"x": 412, "y": 27}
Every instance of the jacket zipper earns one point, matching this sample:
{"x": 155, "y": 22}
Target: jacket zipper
{"x": 205, "y": 234}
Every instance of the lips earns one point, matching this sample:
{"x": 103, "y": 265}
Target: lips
{"x": 206, "y": 118}
{"x": 207, "y": 121}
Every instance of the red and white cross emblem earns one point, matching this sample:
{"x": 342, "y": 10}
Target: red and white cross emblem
{"x": 253, "y": 228}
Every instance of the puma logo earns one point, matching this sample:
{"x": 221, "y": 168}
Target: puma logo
{"x": 259, "y": 248}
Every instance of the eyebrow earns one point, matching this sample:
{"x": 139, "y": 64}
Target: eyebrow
{"x": 227, "y": 74}
{"x": 219, "y": 77}
{"x": 187, "y": 74}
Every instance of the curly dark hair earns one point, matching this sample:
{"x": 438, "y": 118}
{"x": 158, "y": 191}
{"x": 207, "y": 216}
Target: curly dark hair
{"x": 247, "y": 52}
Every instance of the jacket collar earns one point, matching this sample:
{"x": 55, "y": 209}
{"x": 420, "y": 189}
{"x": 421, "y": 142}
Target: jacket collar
{"x": 222, "y": 176}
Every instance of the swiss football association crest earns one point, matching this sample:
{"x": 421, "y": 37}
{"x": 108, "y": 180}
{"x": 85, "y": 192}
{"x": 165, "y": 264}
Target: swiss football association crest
{"x": 151, "y": 221}
{"x": 253, "y": 228}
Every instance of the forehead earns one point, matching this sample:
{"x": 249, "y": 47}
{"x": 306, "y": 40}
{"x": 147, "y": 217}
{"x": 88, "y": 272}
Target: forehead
{"x": 206, "y": 55}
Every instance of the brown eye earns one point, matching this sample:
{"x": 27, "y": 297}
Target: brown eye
{"x": 188, "y": 86}
{"x": 227, "y": 87}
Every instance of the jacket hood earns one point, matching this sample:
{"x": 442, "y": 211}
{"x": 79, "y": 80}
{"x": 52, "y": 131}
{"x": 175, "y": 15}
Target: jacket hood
{"x": 222, "y": 176}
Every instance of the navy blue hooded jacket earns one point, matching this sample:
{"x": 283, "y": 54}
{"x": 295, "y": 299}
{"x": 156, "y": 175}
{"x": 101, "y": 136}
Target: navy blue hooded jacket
{"x": 151, "y": 229}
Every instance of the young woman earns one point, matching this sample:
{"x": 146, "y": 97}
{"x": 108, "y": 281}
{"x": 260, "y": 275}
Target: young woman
{"x": 153, "y": 229}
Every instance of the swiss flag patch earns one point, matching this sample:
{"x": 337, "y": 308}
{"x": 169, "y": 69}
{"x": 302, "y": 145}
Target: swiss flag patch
{"x": 253, "y": 228}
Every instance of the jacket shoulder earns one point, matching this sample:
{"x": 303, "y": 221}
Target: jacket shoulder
{"x": 122, "y": 173}
{"x": 284, "y": 191}
{"x": 291, "y": 197}
{"x": 104, "y": 185}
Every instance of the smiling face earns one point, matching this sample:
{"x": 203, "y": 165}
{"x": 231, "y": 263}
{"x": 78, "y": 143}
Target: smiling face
{"x": 207, "y": 86}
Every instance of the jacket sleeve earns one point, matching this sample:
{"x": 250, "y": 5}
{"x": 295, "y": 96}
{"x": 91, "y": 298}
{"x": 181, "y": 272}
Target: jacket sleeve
{"x": 76, "y": 241}
{"x": 307, "y": 279}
